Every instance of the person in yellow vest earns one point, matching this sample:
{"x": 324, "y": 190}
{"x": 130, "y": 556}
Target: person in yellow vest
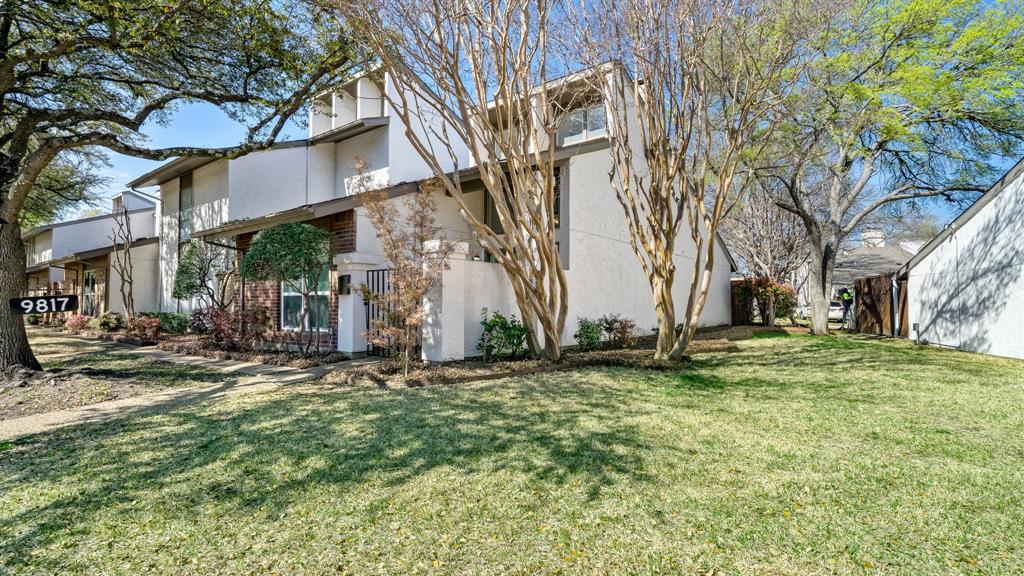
{"x": 847, "y": 297}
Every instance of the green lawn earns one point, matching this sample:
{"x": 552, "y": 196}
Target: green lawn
{"x": 788, "y": 455}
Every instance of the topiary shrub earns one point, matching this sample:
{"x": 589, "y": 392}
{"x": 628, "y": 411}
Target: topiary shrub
{"x": 110, "y": 322}
{"x": 588, "y": 333}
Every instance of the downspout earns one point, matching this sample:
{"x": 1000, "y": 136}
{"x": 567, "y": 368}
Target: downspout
{"x": 894, "y": 313}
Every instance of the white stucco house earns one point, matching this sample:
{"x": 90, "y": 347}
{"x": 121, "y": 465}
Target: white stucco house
{"x": 354, "y": 137}
{"x": 965, "y": 288}
{"x": 73, "y": 257}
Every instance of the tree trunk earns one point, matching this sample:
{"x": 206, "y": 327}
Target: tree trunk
{"x": 664, "y": 309}
{"x": 14, "y": 346}
{"x": 820, "y": 283}
{"x": 769, "y": 318}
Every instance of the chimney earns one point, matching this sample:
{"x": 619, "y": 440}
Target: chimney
{"x": 872, "y": 238}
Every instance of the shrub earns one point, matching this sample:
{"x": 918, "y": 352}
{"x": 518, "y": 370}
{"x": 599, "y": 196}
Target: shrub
{"x": 197, "y": 321}
{"x": 110, "y": 322}
{"x": 503, "y": 336}
{"x": 77, "y": 322}
{"x": 170, "y": 322}
{"x": 753, "y": 295}
{"x": 145, "y": 327}
{"x": 588, "y": 333}
{"x": 34, "y": 319}
{"x": 621, "y": 332}
{"x": 244, "y": 329}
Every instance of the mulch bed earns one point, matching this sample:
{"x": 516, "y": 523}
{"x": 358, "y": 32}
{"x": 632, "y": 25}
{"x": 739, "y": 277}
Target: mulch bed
{"x": 388, "y": 374}
{"x": 24, "y": 392}
{"x": 198, "y": 345}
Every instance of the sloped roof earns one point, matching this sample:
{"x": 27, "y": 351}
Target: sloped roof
{"x": 866, "y": 261}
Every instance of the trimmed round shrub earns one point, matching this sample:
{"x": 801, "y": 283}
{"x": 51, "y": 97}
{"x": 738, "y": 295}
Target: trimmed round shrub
{"x": 110, "y": 322}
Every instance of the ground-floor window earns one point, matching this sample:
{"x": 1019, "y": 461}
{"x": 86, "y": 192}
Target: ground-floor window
{"x": 319, "y": 316}
{"x": 89, "y": 293}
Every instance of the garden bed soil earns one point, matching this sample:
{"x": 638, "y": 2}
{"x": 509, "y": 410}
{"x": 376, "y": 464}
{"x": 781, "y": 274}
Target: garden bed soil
{"x": 24, "y": 392}
{"x": 388, "y": 373}
{"x": 198, "y": 345}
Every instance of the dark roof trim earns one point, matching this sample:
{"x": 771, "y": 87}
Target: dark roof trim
{"x": 350, "y": 130}
{"x": 40, "y": 229}
{"x": 1009, "y": 177}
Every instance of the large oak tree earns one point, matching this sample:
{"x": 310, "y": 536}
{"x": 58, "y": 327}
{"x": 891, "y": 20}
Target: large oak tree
{"x": 902, "y": 100}
{"x": 82, "y": 74}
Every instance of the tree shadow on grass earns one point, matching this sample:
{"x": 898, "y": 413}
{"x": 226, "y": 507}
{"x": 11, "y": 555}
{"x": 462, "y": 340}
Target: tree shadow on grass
{"x": 552, "y": 433}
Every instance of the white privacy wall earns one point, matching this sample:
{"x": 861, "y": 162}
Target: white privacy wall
{"x": 604, "y": 273}
{"x": 145, "y": 279}
{"x": 968, "y": 292}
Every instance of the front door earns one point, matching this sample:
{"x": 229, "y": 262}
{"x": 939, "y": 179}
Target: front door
{"x": 89, "y": 293}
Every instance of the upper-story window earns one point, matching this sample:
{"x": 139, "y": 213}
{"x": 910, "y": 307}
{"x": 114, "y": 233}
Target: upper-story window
{"x": 582, "y": 125}
{"x": 186, "y": 200}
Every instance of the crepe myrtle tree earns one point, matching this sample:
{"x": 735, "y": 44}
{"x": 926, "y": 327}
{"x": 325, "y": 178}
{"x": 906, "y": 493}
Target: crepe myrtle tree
{"x": 476, "y": 76}
{"x": 900, "y": 101}
{"x": 80, "y": 75}
{"x": 295, "y": 255}
{"x": 690, "y": 98}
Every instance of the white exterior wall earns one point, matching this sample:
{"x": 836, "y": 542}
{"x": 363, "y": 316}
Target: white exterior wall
{"x": 604, "y": 273}
{"x": 968, "y": 292}
{"x": 168, "y": 234}
{"x": 145, "y": 280}
{"x": 265, "y": 182}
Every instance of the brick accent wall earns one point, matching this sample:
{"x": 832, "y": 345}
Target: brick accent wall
{"x": 342, "y": 227}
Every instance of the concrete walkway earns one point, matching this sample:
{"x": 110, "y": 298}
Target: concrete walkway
{"x": 241, "y": 377}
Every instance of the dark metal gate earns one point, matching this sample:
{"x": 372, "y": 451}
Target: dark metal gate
{"x": 377, "y": 314}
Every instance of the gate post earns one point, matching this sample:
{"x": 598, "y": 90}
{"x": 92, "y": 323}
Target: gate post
{"x": 444, "y": 328}
{"x": 351, "y": 311}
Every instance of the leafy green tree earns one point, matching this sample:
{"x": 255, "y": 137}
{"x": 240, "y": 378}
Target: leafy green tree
{"x": 65, "y": 184}
{"x": 293, "y": 254}
{"x": 899, "y": 100}
{"x": 85, "y": 74}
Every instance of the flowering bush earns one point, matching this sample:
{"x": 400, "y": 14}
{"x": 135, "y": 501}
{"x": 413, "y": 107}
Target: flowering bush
{"x": 77, "y": 322}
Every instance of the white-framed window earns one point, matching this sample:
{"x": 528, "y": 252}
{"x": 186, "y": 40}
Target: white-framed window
{"x": 319, "y": 316}
{"x": 582, "y": 125}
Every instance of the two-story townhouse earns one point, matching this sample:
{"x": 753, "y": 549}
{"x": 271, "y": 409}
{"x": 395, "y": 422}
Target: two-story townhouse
{"x": 354, "y": 139}
{"x": 74, "y": 257}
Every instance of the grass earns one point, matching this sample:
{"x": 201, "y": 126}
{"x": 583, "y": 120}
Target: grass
{"x": 790, "y": 455}
{"x": 151, "y": 373}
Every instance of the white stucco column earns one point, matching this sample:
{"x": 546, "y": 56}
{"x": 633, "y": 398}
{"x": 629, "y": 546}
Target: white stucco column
{"x": 444, "y": 329}
{"x": 351, "y": 310}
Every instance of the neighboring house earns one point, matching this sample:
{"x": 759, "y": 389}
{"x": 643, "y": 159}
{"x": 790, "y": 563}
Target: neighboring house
{"x": 873, "y": 257}
{"x": 353, "y": 141}
{"x": 965, "y": 287}
{"x": 74, "y": 257}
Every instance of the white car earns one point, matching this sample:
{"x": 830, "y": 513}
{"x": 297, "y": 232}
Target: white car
{"x": 835, "y": 311}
